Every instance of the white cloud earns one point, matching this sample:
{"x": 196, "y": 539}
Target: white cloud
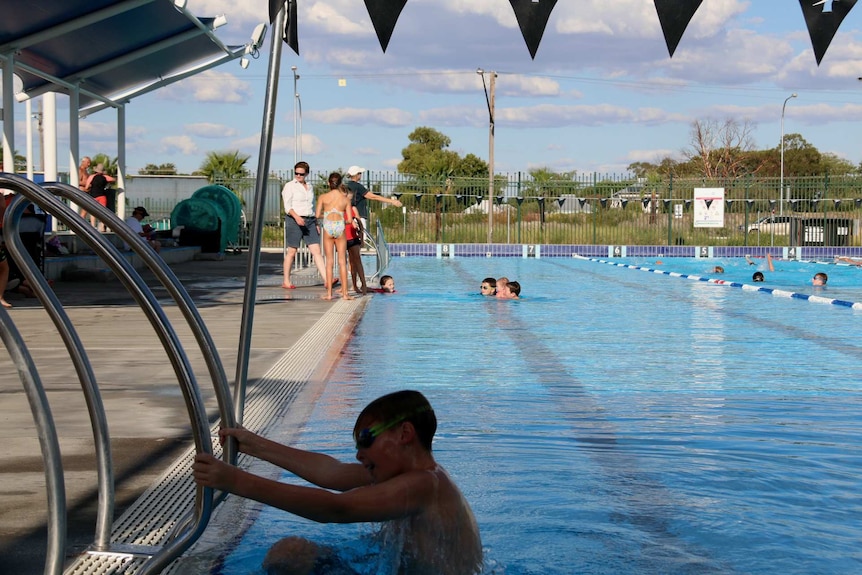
{"x": 552, "y": 116}
{"x": 311, "y": 144}
{"x": 652, "y": 156}
{"x": 178, "y": 144}
{"x": 332, "y": 18}
{"x": 390, "y": 163}
{"x": 96, "y": 130}
{"x": 501, "y": 12}
{"x": 362, "y": 116}
{"x": 211, "y": 86}
{"x": 210, "y": 130}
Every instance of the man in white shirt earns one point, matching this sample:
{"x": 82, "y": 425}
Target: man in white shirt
{"x": 300, "y": 222}
{"x": 148, "y": 233}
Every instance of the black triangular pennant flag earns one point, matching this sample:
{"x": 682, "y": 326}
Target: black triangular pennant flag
{"x": 674, "y": 16}
{"x": 274, "y": 7}
{"x": 561, "y": 201}
{"x": 384, "y": 15}
{"x": 291, "y": 34}
{"x": 708, "y": 203}
{"x": 823, "y": 17}
{"x": 532, "y": 16}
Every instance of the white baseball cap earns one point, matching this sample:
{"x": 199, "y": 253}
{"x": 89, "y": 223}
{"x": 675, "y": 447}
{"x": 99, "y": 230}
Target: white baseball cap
{"x": 353, "y": 170}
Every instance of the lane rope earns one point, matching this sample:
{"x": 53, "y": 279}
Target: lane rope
{"x": 746, "y": 287}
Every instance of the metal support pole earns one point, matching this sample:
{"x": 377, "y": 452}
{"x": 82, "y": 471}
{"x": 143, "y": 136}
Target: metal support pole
{"x": 257, "y": 221}
{"x": 297, "y": 153}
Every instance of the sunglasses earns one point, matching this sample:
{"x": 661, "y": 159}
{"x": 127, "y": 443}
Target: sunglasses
{"x": 487, "y": 287}
{"x": 300, "y": 173}
{"x": 365, "y": 438}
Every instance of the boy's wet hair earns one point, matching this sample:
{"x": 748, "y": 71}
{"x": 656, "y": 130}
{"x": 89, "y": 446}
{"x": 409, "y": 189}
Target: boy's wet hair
{"x": 406, "y": 405}
{"x": 515, "y": 288}
{"x": 490, "y": 281}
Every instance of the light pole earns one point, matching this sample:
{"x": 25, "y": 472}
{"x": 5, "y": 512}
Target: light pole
{"x": 297, "y": 107}
{"x": 781, "y": 177}
{"x": 489, "y": 98}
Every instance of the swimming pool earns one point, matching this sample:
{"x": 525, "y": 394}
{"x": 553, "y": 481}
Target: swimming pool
{"x": 613, "y": 421}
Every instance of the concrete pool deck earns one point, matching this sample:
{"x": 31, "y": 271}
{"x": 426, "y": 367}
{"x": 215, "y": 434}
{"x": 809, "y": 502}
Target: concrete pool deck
{"x": 146, "y": 413}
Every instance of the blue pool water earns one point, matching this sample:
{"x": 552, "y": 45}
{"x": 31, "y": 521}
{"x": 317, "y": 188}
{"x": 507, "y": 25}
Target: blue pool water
{"x": 615, "y": 421}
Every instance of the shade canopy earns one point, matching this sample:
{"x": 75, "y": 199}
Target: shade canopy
{"x": 109, "y": 51}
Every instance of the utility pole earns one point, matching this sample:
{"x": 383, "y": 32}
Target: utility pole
{"x": 489, "y": 98}
{"x": 781, "y": 177}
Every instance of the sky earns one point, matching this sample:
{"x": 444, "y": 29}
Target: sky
{"x": 601, "y": 94}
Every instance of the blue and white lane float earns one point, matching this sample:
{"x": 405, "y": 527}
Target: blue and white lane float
{"x": 747, "y": 287}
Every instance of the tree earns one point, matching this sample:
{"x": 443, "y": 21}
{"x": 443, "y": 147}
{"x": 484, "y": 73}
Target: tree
{"x": 720, "y": 150}
{"x": 426, "y": 155}
{"x": 168, "y": 169}
{"x": 546, "y": 183}
{"x": 471, "y": 166}
{"x": 109, "y": 163}
{"x": 801, "y": 158}
{"x": 224, "y": 166}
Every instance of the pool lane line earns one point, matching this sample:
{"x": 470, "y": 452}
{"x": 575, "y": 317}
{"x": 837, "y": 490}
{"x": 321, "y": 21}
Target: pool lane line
{"x": 747, "y": 287}
{"x": 598, "y": 435}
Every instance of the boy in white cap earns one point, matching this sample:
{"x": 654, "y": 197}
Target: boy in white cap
{"x": 361, "y": 194}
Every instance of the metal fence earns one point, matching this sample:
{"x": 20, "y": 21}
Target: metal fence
{"x": 588, "y": 210}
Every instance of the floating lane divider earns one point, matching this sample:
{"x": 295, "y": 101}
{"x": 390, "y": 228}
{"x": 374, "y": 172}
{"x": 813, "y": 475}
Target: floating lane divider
{"x": 747, "y": 287}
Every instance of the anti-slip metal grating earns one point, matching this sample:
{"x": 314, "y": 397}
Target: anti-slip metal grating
{"x": 147, "y": 525}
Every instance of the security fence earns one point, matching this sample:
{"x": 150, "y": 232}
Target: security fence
{"x": 817, "y": 210}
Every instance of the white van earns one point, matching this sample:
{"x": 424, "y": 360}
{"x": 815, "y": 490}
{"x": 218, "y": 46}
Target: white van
{"x": 778, "y": 225}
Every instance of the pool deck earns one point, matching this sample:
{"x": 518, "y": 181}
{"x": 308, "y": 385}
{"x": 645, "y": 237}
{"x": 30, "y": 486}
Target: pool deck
{"x": 146, "y": 414}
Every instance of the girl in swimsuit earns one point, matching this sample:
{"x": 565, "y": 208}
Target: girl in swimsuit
{"x": 331, "y": 209}
{"x": 333, "y": 223}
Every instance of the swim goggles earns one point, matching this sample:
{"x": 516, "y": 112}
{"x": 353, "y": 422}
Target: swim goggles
{"x": 365, "y": 438}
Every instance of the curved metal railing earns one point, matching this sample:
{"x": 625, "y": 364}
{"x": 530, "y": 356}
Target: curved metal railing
{"x": 381, "y": 251}
{"x": 192, "y": 526}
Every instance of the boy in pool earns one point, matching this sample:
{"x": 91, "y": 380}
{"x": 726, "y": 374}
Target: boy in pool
{"x": 396, "y": 482}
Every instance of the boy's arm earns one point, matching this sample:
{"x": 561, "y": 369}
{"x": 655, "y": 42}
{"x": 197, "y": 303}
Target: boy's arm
{"x": 316, "y": 468}
{"x": 401, "y": 496}
{"x": 372, "y": 196}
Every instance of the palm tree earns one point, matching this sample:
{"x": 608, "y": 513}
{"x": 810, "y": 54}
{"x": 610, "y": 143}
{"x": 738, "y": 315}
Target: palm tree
{"x": 109, "y": 163}
{"x": 224, "y": 166}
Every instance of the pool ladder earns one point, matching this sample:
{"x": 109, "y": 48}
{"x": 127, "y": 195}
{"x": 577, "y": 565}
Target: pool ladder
{"x": 133, "y": 545}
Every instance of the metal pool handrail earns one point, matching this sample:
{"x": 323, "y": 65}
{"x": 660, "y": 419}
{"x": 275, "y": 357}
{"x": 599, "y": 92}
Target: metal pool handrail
{"x": 382, "y": 251}
{"x": 50, "y": 446}
{"x": 196, "y": 323}
{"x": 80, "y": 361}
{"x": 139, "y": 290}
